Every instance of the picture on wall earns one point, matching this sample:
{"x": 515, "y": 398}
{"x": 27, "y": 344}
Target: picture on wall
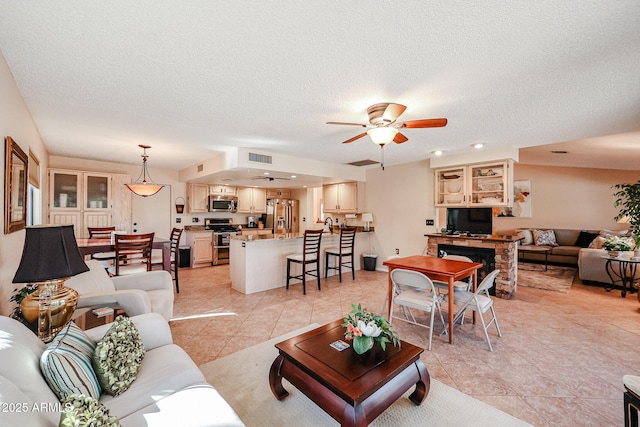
{"x": 522, "y": 199}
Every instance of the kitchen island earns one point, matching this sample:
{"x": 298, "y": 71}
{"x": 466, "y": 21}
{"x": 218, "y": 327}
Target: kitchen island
{"x": 259, "y": 263}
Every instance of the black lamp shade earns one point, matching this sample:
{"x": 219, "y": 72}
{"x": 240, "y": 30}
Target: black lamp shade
{"x": 50, "y": 252}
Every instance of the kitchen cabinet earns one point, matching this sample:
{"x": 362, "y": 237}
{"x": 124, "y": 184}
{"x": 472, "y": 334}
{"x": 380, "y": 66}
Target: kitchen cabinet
{"x": 222, "y": 190}
{"x": 197, "y": 198}
{"x": 273, "y": 193}
{"x": 486, "y": 184}
{"x": 201, "y": 247}
{"x": 85, "y": 199}
{"x": 340, "y": 198}
{"x": 252, "y": 200}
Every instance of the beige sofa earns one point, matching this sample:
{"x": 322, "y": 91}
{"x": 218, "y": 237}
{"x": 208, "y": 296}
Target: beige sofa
{"x": 169, "y": 390}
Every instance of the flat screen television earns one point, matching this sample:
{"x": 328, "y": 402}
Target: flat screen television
{"x": 470, "y": 220}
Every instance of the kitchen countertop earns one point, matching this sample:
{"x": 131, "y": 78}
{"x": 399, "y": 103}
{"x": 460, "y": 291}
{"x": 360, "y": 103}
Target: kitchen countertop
{"x": 281, "y": 236}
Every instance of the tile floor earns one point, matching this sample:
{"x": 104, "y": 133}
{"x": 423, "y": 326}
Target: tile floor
{"x": 560, "y": 360}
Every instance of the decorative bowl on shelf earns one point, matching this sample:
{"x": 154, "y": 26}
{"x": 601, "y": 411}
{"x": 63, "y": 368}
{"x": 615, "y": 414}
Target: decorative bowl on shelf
{"x": 450, "y": 176}
{"x": 453, "y": 187}
{"x": 453, "y": 199}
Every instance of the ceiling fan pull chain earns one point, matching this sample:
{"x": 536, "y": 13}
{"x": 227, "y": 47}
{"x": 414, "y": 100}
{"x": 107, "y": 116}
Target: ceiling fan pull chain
{"x": 382, "y": 156}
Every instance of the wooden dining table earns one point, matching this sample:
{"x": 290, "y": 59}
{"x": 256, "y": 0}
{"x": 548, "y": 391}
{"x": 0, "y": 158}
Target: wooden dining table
{"x": 440, "y": 269}
{"x": 92, "y": 246}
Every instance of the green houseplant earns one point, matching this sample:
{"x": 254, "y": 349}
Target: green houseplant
{"x": 627, "y": 198}
{"x": 365, "y": 327}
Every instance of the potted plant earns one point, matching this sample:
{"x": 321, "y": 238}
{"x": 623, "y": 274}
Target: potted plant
{"x": 628, "y": 200}
{"x": 615, "y": 245}
{"x": 364, "y": 328}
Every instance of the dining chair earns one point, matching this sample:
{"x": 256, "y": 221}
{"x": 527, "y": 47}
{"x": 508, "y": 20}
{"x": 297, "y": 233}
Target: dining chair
{"x": 345, "y": 250}
{"x": 158, "y": 260}
{"x": 105, "y": 258}
{"x": 443, "y": 287}
{"x": 480, "y": 302}
{"x": 310, "y": 255}
{"x": 414, "y": 290}
{"x": 631, "y": 400}
{"x": 133, "y": 254}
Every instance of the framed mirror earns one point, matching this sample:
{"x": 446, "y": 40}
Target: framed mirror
{"x": 15, "y": 187}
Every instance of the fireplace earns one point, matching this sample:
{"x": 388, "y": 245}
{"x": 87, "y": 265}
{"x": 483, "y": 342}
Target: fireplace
{"x": 485, "y": 256}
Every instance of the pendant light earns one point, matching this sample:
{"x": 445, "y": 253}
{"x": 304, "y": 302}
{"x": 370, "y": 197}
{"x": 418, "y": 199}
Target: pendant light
{"x": 144, "y": 188}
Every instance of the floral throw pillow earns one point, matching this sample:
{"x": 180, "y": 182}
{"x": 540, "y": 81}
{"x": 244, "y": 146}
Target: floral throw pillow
{"x": 117, "y": 356}
{"x": 544, "y": 238}
{"x": 81, "y": 410}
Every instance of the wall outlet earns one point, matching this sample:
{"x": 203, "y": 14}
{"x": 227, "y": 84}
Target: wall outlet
{"x": 304, "y": 219}
{"x": 196, "y": 219}
{"x": 431, "y": 222}
{"x": 178, "y": 220}
{"x": 397, "y": 251}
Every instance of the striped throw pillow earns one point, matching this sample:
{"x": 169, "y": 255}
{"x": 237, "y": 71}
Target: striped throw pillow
{"x": 66, "y": 364}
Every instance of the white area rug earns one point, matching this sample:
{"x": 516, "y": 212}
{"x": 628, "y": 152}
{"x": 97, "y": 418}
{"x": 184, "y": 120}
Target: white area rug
{"x": 556, "y": 278}
{"x": 243, "y": 380}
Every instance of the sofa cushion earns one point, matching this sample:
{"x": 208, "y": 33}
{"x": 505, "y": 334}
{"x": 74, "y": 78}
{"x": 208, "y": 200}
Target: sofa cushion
{"x": 566, "y": 237}
{"x": 164, "y": 371}
{"x": 96, "y": 280}
{"x": 66, "y": 364}
{"x": 118, "y": 355}
{"x": 544, "y": 237}
{"x": 527, "y": 236}
{"x": 83, "y": 411}
{"x": 21, "y": 405}
{"x": 597, "y": 242}
{"x": 566, "y": 251}
{"x": 584, "y": 239}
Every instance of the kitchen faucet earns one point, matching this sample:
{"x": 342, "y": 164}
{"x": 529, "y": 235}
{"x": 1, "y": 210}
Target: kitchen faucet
{"x": 330, "y": 222}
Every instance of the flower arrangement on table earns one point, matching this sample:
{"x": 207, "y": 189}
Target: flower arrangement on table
{"x": 616, "y": 243}
{"x": 364, "y": 327}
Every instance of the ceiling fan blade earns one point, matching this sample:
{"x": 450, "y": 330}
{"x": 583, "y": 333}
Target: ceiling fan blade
{"x": 347, "y": 124}
{"x": 354, "y": 138}
{"x": 400, "y": 138}
{"x": 392, "y": 112}
{"x": 425, "y": 123}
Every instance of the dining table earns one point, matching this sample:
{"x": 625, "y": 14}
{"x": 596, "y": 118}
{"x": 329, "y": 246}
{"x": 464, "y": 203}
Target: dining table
{"x": 440, "y": 269}
{"x": 92, "y": 246}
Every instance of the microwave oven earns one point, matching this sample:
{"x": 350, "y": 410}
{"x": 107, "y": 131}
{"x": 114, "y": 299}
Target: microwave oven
{"x": 223, "y": 204}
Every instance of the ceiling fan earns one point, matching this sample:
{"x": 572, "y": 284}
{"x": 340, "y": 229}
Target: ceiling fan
{"x": 268, "y": 178}
{"x": 384, "y": 127}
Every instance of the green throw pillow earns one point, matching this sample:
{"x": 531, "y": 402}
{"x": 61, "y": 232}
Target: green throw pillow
{"x": 84, "y": 411}
{"x": 117, "y": 356}
{"x": 66, "y": 364}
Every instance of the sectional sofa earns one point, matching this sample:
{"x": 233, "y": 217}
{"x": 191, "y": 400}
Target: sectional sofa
{"x": 169, "y": 389}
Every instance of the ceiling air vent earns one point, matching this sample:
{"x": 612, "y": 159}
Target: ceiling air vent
{"x": 200, "y": 167}
{"x": 260, "y": 158}
{"x": 363, "y": 163}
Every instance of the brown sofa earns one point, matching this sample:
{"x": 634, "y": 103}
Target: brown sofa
{"x": 566, "y": 252}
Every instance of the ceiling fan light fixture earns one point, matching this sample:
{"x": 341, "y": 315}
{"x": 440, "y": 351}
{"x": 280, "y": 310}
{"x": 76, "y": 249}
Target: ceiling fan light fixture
{"x": 142, "y": 187}
{"x": 382, "y": 135}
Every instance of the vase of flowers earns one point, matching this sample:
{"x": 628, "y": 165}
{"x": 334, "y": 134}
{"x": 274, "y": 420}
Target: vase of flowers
{"x": 616, "y": 245}
{"x": 364, "y": 328}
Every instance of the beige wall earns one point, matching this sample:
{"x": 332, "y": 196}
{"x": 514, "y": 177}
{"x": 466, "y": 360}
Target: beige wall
{"x": 15, "y": 121}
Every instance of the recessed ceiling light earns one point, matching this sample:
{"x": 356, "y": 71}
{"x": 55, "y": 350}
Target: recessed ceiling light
{"x": 293, "y": 176}
{"x": 477, "y": 145}
{"x": 437, "y": 152}
{"x": 266, "y": 173}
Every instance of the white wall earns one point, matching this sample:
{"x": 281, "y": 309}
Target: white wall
{"x": 15, "y": 121}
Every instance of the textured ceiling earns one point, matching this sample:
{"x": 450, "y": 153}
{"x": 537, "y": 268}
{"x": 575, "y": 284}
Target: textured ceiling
{"x": 190, "y": 78}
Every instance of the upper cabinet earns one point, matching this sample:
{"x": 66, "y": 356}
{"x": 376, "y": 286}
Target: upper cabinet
{"x": 85, "y": 199}
{"x": 340, "y": 198}
{"x": 252, "y": 200}
{"x": 280, "y": 193}
{"x": 222, "y": 190}
{"x": 197, "y": 198}
{"x": 487, "y": 184}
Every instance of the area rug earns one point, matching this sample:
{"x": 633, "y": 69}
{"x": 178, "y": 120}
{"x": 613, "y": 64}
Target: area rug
{"x": 556, "y": 278}
{"x": 242, "y": 378}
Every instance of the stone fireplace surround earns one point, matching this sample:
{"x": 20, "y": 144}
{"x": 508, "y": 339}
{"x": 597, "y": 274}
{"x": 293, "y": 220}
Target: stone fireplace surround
{"x": 505, "y": 256}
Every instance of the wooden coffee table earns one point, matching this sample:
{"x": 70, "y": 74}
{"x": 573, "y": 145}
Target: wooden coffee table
{"x": 352, "y": 389}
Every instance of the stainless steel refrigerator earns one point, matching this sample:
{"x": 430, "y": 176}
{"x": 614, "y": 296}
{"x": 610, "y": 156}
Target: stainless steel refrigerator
{"x": 282, "y": 216}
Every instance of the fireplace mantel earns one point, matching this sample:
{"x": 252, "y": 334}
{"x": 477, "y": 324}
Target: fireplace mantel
{"x": 506, "y": 256}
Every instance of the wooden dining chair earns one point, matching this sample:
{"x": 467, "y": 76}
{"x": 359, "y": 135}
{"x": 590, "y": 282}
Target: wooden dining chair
{"x": 157, "y": 259}
{"x": 343, "y": 253}
{"x": 133, "y": 254}
{"x": 310, "y": 255}
{"x": 105, "y": 258}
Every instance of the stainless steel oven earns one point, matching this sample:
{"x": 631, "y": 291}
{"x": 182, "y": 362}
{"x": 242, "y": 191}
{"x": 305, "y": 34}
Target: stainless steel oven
{"x": 222, "y": 231}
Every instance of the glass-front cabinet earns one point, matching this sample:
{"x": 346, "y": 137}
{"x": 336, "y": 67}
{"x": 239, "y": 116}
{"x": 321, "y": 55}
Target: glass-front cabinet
{"x": 97, "y": 191}
{"x": 486, "y": 184}
{"x": 65, "y": 189}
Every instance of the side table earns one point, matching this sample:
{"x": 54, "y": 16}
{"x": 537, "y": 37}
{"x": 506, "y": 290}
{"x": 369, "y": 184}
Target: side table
{"x": 86, "y": 319}
{"x": 623, "y": 271}
{"x": 536, "y": 249}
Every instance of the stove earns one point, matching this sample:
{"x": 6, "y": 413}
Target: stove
{"x": 222, "y": 231}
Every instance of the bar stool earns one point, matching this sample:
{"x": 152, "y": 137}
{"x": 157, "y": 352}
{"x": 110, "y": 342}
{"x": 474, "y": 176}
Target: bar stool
{"x": 310, "y": 255}
{"x": 347, "y": 239}
{"x": 157, "y": 260}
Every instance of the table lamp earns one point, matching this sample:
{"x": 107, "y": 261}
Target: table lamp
{"x": 367, "y": 218}
{"x": 50, "y": 256}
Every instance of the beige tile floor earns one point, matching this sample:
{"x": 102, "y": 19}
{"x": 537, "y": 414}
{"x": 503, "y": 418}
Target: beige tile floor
{"x": 560, "y": 360}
